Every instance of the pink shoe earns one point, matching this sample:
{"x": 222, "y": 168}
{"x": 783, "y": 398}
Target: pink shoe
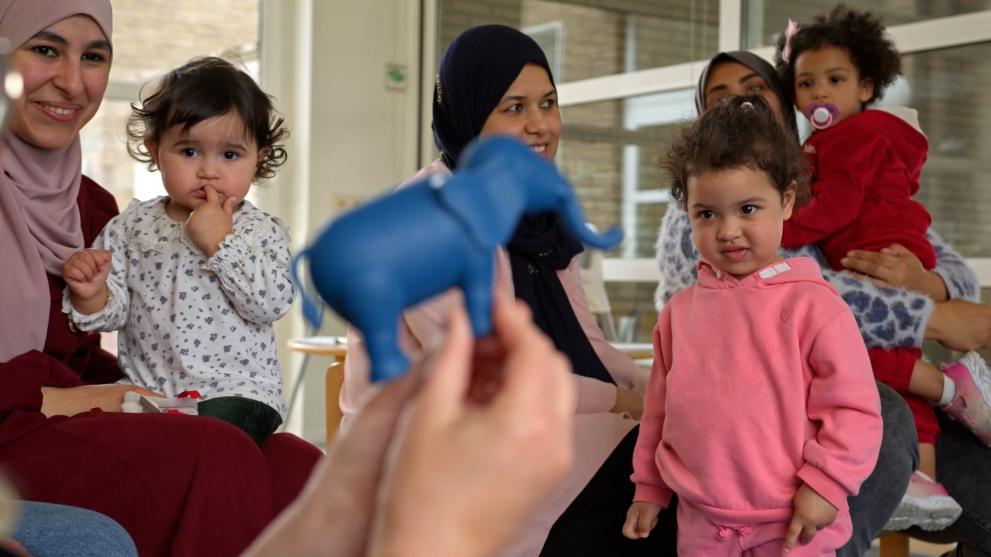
{"x": 926, "y": 504}
{"x": 972, "y": 404}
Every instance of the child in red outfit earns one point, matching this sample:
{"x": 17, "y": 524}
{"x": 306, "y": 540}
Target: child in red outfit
{"x": 866, "y": 166}
{"x": 761, "y": 412}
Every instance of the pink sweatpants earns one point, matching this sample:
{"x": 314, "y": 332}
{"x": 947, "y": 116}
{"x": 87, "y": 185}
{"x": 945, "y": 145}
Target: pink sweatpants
{"x": 700, "y": 537}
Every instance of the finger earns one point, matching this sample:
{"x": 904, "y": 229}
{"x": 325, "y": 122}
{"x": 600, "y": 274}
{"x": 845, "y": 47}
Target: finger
{"x": 531, "y": 364}
{"x": 631, "y": 527}
{"x": 871, "y": 263}
{"x": 143, "y": 391}
{"x": 367, "y": 438}
{"x": 229, "y": 204}
{"x": 896, "y": 249}
{"x": 647, "y": 523}
{"x": 71, "y": 271}
{"x": 211, "y": 195}
{"x": 791, "y": 535}
{"x": 87, "y": 265}
{"x": 808, "y": 532}
{"x": 448, "y": 380}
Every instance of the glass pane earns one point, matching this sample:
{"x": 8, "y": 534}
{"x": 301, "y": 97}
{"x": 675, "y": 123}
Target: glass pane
{"x": 947, "y": 87}
{"x": 592, "y": 38}
{"x": 150, "y": 38}
{"x": 763, "y": 20}
{"x": 610, "y": 151}
{"x": 632, "y": 305}
{"x": 154, "y": 36}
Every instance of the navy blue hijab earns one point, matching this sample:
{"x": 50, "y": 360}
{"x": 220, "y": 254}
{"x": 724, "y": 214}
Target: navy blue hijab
{"x": 476, "y": 70}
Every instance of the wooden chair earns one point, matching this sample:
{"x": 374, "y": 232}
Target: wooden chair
{"x": 333, "y": 381}
{"x": 894, "y": 544}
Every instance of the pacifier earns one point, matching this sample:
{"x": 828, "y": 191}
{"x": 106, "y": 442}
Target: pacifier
{"x": 821, "y": 116}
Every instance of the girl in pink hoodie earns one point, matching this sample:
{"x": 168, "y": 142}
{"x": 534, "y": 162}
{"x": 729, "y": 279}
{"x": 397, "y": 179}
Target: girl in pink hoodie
{"x": 773, "y": 415}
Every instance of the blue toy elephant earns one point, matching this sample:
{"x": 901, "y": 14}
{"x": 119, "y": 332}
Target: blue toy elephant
{"x": 412, "y": 244}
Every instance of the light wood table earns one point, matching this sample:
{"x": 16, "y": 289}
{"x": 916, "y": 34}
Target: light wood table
{"x": 337, "y": 349}
{"x": 636, "y": 350}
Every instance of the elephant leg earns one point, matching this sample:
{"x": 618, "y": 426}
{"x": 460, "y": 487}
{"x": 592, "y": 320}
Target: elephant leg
{"x": 478, "y": 294}
{"x": 376, "y": 315}
{"x": 388, "y": 361}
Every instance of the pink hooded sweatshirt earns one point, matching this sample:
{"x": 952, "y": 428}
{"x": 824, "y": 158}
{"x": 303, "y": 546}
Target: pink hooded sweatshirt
{"x": 770, "y": 387}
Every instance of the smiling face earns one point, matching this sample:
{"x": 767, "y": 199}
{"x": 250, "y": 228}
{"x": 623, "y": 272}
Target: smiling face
{"x": 65, "y": 69}
{"x": 737, "y": 216}
{"x": 827, "y": 75}
{"x": 216, "y": 152}
{"x": 529, "y": 112}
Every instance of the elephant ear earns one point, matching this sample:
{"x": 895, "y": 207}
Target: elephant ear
{"x": 486, "y": 220}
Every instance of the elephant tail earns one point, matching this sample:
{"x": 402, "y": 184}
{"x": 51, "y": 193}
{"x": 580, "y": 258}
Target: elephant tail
{"x": 312, "y": 310}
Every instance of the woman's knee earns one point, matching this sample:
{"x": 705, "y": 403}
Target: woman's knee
{"x": 49, "y": 530}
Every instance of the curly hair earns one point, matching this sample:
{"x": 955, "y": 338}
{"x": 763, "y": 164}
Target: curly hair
{"x": 738, "y": 132}
{"x": 201, "y": 89}
{"x": 861, "y": 34}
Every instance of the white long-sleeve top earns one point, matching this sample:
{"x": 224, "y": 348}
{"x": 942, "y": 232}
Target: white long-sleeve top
{"x": 189, "y": 321}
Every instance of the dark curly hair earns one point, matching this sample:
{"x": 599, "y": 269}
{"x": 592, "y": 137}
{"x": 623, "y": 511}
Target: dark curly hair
{"x": 861, "y": 34}
{"x": 732, "y": 135}
{"x": 201, "y": 89}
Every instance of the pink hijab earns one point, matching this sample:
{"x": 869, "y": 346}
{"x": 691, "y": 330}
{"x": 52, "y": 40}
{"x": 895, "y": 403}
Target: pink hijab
{"x": 39, "y": 219}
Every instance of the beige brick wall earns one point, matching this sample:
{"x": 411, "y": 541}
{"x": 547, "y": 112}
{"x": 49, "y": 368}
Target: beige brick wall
{"x": 150, "y": 38}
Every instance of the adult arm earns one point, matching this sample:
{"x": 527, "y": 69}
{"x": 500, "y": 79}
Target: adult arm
{"x": 631, "y": 379}
{"x": 252, "y": 265}
{"x": 951, "y": 279}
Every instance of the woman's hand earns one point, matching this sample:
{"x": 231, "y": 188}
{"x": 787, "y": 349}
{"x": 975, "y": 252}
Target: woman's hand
{"x": 628, "y": 402}
{"x": 960, "y": 325}
{"x": 502, "y": 412}
{"x": 515, "y": 432}
{"x": 897, "y": 266}
{"x": 76, "y": 400}
{"x": 85, "y": 274}
{"x": 212, "y": 221}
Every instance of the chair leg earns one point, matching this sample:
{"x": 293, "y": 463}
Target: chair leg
{"x": 297, "y": 384}
{"x": 333, "y": 382}
{"x": 894, "y": 544}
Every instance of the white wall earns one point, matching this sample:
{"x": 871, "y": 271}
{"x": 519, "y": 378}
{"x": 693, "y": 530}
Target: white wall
{"x": 325, "y": 62}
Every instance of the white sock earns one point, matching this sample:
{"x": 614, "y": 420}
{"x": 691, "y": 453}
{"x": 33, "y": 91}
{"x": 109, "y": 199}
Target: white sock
{"x": 949, "y": 391}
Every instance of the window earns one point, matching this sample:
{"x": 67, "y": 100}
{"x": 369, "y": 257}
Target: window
{"x": 150, "y": 38}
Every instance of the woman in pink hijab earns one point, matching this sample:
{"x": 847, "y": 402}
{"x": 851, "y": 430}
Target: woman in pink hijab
{"x": 178, "y": 484}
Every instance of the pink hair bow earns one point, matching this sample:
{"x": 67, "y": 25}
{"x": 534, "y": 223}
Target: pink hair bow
{"x": 789, "y": 33}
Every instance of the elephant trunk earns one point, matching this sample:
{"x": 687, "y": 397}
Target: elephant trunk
{"x": 572, "y": 216}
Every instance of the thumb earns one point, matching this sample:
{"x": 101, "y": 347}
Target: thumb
{"x": 447, "y": 381}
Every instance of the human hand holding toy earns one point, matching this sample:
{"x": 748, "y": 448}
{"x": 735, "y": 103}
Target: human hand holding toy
{"x": 405, "y": 247}
{"x": 212, "y": 221}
